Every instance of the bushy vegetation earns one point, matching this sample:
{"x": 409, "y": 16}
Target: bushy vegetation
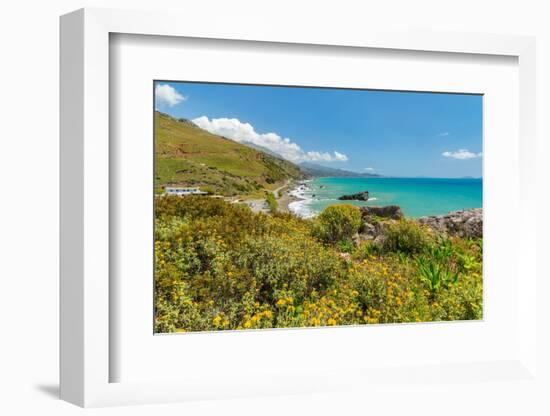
{"x": 271, "y": 202}
{"x": 220, "y": 266}
{"x": 405, "y": 237}
{"x": 338, "y": 223}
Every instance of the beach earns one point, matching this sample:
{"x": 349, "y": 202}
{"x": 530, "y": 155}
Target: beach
{"x": 290, "y": 196}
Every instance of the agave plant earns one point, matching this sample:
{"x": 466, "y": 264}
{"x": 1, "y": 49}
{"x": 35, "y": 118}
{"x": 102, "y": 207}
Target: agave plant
{"x": 435, "y": 275}
{"x": 441, "y": 251}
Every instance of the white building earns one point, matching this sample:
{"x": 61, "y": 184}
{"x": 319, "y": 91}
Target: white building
{"x": 183, "y": 191}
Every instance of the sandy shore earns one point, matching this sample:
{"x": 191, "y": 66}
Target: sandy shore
{"x": 286, "y": 198}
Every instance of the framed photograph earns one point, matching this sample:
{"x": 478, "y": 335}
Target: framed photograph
{"x": 282, "y": 213}
{"x": 255, "y": 230}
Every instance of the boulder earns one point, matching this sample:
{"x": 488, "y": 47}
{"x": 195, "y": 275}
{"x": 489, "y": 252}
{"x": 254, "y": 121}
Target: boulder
{"x": 360, "y": 196}
{"x": 369, "y": 229}
{"x": 367, "y": 232}
{"x": 388, "y": 212}
{"x": 465, "y": 223}
{"x": 376, "y": 220}
{"x": 372, "y": 231}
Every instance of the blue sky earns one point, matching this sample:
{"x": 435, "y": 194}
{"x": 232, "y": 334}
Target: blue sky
{"x": 386, "y": 132}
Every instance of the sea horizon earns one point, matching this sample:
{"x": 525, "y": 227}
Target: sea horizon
{"x": 417, "y": 196}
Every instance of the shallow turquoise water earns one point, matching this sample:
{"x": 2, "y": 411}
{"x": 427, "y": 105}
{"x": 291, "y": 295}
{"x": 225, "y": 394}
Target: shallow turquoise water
{"x": 415, "y": 196}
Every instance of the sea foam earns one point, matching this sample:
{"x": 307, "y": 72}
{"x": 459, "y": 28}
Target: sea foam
{"x": 302, "y": 207}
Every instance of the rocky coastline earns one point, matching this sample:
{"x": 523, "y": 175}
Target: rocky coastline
{"x": 466, "y": 223}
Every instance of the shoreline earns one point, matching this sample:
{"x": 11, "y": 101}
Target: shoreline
{"x": 285, "y": 201}
{"x": 289, "y": 196}
{"x": 293, "y": 196}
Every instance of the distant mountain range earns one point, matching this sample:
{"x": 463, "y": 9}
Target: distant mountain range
{"x": 312, "y": 169}
{"x": 315, "y": 170}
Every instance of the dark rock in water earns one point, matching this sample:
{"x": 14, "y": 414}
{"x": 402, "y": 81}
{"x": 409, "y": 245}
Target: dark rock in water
{"x": 360, "y": 196}
{"x": 389, "y": 211}
{"x": 466, "y": 223}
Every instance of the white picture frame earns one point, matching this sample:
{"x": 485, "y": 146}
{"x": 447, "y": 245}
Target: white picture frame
{"x": 86, "y": 356}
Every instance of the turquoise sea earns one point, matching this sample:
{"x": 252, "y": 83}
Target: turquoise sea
{"x": 416, "y": 196}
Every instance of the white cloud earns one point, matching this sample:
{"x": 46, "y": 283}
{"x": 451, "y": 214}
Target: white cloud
{"x": 236, "y": 130}
{"x": 462, "y": 154}
{"x": 369, "y": 169}
{"x": 444, "y": 134}
{"x": 340, "y": 156}
{"x": 166, "y": 94}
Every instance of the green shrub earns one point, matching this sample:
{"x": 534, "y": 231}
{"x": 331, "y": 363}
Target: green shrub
{"x": 338, "y": 223}
{"x": 287, "y": 262}
{"x": 406, "y": 237}
{"x": 346, "y": 246}
{"x": 271, "y": 202}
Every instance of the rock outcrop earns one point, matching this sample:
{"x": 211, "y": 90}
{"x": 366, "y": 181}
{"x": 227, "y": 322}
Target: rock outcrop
{"x": 392, "y": 212}
{"x": 465, "y": 223}
{"x": 375, "y": 220}
{"x": 360, "y": 196}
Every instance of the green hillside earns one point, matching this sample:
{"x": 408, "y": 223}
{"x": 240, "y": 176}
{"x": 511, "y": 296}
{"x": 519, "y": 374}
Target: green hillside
{"x": 187, "y": 155}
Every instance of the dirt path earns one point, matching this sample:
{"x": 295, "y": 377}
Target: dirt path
{"x": 275, "y": 191}
{"x": 257, "y": 205}
{"x": 260, "y": 205}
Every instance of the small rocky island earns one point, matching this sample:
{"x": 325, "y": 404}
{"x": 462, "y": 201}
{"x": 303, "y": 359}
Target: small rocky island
{"x": 360, "y": 196}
